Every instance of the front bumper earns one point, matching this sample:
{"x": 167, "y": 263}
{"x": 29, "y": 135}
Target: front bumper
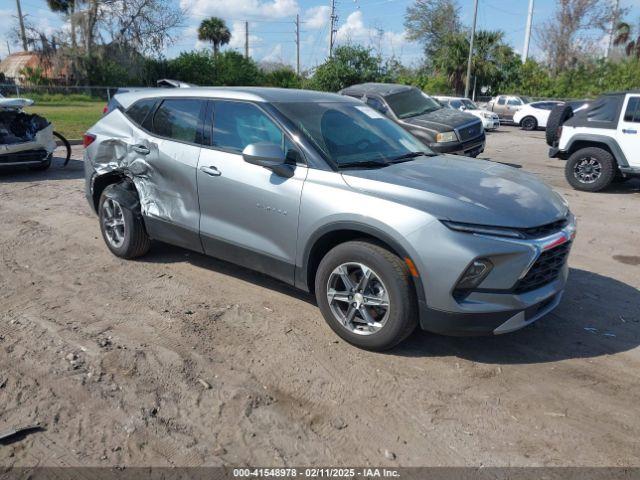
{"x": 499, "y": 304}
{"x": 25, "y": 158}
{"x": 469, "y": 147}
{"x": 490, "y": 123}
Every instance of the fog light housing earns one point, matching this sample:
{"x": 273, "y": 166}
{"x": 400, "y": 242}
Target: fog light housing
{"x": 475, "y": 273}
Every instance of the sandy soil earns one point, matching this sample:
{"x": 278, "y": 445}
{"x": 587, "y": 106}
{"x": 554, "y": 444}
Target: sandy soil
{"x": 179, "y": 359}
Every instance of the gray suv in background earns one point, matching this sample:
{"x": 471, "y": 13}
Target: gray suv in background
{"x": 325, "y": 193}
{"x": 442, "y": 129}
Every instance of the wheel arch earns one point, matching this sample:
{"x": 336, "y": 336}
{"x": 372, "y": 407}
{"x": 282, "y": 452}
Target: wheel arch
{"x": 127, "y": 195}
{"x": 329, "y": 236}
{"x": 599, "y": 141}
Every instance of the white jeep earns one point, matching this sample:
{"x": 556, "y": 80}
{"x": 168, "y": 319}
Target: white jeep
{"x": 601, "y": 142}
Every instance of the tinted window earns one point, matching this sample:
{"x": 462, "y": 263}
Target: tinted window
{"x": 501, "y": 100}
{"x": 139, "y": 110}
{"x": 513, "y": 101}
{"x": 411, "y": 103}
{"x": 632, "y": 114}
{"x": 375, "y": 103}
{"x": 455, "y": 103}
{"x": 178, "y": 118}
{"x": 238, "y": 124}
{"x": 349, "y": 133}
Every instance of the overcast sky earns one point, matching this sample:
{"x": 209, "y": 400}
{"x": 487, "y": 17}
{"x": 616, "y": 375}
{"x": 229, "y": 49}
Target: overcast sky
{"x": 377, "y": 23}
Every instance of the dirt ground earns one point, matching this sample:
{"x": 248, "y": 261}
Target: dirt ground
{"x": 180, "y": 359}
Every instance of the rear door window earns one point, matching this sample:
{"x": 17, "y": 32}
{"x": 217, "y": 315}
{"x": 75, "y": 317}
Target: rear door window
{"x": 632, "y": 113}
{"x": 514, "y": 101}
{"x": 501, "y": 100}
{"x": 179, "y": 119}
{"x": 139, "y": 110}
{"x": 238, "y": 124}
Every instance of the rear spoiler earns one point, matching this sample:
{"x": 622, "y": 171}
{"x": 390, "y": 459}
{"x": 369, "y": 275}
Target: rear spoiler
{"x": 168, "y": 83}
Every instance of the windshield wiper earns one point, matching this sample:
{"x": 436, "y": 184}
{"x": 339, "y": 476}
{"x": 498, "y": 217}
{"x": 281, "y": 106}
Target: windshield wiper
{"x": 364, "y": 164}
{"x": 409, "y": 156}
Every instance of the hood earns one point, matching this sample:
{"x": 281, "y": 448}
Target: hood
{"x": 442, "y": 120}
{"x": 14, "y": 103}
{"x": 464, "y": 190}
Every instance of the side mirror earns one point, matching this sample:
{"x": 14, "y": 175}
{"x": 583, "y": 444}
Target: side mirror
{"x": 268, "y": 155}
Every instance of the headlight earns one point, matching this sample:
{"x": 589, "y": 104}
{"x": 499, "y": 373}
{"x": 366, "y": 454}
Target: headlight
{"x": 446, "y": 137}
{"x": 487, "y": 115}
{"x": 483, "y": 229}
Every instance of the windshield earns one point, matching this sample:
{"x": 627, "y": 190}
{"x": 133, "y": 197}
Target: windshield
{"x": 469, "y": 104}
{"x": 411, "y": 103}
{"x": 350, "y": 133}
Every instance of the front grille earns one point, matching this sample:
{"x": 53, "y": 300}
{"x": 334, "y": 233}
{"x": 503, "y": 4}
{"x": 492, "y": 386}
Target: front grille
{"x": 544, "y": 230}
{"x": 470, "y": 131}
{"x": 25, "y": 156}
{"x": 545, "y": 270}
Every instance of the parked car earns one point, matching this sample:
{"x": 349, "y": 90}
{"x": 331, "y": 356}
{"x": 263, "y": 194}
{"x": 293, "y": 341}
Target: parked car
{"x": 442, "y": 129}
{"x": 26, "y": 140}
{"x": 601, "y": 142}
{"x": 506, "y": 106}
{"x": 490, "y": 120}
{"x": 326, "y": 194}
{"x": 534, "y": 115}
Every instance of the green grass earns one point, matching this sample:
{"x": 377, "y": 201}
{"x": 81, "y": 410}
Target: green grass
{"x": 70, "y": 118}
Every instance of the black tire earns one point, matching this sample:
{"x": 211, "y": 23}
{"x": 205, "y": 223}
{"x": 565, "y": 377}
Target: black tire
{"x": 557, "y": 117}
{"x": 135, "y": 241}
{"x": 529, "y": 123}
{"x": 42, "y": 166}
{"x": 600, "y": 170}
{"x": 394, "y": 276}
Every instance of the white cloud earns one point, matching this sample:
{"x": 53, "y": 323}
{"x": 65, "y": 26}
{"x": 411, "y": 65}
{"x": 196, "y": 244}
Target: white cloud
{"x": 263, "y": 9}
{"x": 275, "y": 55}
{"x": 354, "y": 30}
{"x": 316, "y": 17}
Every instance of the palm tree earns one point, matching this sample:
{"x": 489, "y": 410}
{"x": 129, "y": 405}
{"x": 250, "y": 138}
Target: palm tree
{"x": 623, "y": 37}
{"x": 214, "y": 30}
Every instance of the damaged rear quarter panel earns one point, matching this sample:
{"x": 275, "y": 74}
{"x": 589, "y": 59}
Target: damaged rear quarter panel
{"x": 165, "y": 178}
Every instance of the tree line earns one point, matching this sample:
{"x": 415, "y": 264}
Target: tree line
{"x": 114, "y": 42}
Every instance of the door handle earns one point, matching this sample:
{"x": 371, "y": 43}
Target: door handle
{"x": 141, "y": 149}
{"x": 624, "y": 130}
{"x": 212, "y": 171}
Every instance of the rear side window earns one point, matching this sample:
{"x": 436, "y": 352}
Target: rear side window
{"x": 139, "y": 110}
{"x": 501, "y": 100}
{"x": 513, "y": 101}
{"x": 179, "y": 119}
{"x": 632, "y": 114}
{"x": 238, "y": 124}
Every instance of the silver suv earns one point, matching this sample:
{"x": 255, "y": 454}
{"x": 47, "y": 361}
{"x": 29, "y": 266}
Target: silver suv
{"x": 325, "y": 193}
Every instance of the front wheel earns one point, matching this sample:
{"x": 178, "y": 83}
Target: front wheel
{"x": 590, "y": 169}
{"x": 366, "y": 295}
{"x": 529, "y": 123}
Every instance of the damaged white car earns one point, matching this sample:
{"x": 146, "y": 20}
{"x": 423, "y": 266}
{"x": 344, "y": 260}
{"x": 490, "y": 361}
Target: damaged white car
{"x": 25, "y": 139}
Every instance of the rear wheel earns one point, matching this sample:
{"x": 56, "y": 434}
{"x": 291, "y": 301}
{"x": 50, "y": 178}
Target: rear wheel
{"x": 42, "y": 166}
{"x": 529, "y": 123}
{"x": 590, "y": 169}
{"x": 366, "y": 295}
{"x": 122, "y": 229}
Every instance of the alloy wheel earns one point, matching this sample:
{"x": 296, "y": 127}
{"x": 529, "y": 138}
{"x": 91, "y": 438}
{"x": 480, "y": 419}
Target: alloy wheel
{"x": 113, "y": 222}
{"x": 587, "y": 170}
{"x": 358, "y": 298}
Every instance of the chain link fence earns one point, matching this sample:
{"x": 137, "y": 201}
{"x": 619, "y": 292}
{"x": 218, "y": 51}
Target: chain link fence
{"x": 10, "y": 88}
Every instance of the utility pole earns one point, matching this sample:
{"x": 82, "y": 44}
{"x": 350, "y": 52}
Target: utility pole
{"x": 614, "y": 24}
{"x": 527, "y": 33}
{"x": 8, "y": 47}
{"x": 332, "y": 27}
{"x": 246, "y": 39}
{"x": 473, "y": 35}
{"x": 23, "y": 34}
{"x": 298, "y": 44}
